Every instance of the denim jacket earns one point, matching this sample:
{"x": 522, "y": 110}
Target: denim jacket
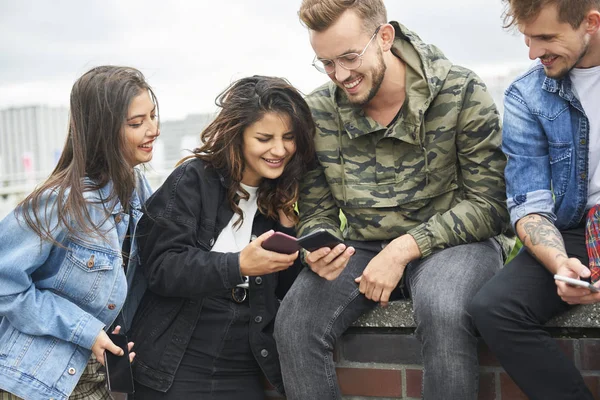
{"x": 546, "y": 140}
{"x": 54, "y": 300}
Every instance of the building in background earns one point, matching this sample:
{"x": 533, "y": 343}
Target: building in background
{"x": 179, "y": 138}
{"x": 31, "y": 140}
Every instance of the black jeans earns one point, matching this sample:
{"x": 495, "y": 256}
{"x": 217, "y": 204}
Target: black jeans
{"x": 218, "y": 363}
{"x": 510, "y": 311}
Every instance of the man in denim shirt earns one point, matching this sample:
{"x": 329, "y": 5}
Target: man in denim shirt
{"x": 552, "y": 139}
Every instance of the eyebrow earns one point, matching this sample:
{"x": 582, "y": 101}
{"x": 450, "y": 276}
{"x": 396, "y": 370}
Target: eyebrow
{"x": 141, "y": 115}
{"x": 271, "y": 134}
{"x": 351, "y": 51}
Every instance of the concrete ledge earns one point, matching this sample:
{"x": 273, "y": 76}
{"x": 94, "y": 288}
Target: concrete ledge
{"x": 399, "y": 314}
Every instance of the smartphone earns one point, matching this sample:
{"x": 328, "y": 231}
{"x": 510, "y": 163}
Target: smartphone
{"x": 577, "y": 282}
{"x": 118, "y": 368}
{"x": 317, "y": 239}
{"x": 281, "y": 243}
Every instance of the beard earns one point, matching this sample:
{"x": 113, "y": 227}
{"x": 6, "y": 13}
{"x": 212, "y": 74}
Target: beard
{"x": 565, "y": 71}
{"x": 377, "y": 75}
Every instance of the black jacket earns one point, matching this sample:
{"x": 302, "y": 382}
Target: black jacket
{"x": 182, "y": 221}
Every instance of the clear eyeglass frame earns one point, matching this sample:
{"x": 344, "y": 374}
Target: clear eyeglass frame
{"x": 347, "y": 61}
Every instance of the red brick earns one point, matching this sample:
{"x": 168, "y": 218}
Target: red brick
{"x": 414, "y": 382}
{"x": 370, "y": 382}
{"x": 509, "y": 389}
{"x": 487, "y": 386}
{"x": 593, "y": 383}
{"x": 590, "y": 354}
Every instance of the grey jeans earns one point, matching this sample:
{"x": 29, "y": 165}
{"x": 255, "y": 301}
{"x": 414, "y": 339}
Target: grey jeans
{"x": 315, "y": 313}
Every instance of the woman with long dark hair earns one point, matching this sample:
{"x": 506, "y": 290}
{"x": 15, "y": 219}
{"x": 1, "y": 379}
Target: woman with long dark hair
{"x": 67, "y": 256}
{"x": 204, "y": 329}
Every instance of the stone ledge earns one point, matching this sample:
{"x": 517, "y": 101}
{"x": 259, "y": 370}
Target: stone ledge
{"x": 399, "y": 315}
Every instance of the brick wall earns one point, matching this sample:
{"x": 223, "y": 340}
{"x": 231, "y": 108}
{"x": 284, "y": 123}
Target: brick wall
{"x": 383, "y": 363}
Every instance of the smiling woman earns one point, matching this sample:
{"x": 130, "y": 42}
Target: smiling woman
{"x": 68, "y": 262}
{"x": 211, "y": 285}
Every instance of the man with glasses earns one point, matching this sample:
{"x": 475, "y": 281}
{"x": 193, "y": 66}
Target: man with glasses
{"x": 409, "y": 150}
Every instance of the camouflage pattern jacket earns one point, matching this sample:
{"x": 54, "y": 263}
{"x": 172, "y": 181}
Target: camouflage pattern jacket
{"x": 435, "y": 173}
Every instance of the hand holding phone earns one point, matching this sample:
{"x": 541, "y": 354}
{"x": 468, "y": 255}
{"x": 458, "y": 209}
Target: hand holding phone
{"x": 118, "y": 368}
{"x": 577, "y": 282}
{"x": 279, "y": 242}
{"x": 318, "y": 239}
{"x": 286, "y": 244}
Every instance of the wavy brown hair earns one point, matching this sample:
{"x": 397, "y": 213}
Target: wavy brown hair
{"x": 570, "y": 11}
{"x": 243, "y": 103}
{"x": 95, "y": 148}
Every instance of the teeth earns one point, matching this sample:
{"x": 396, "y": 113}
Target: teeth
{"x": 352, "y": 84}
{"x": 273, "y": 161}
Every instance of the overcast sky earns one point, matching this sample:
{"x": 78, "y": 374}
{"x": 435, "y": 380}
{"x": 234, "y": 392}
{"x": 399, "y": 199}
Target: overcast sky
{"x": 191, "y": 50}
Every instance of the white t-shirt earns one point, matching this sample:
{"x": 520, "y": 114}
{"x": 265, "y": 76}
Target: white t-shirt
{"x": 586, "y": 85}
{"x": 232, "y": 240}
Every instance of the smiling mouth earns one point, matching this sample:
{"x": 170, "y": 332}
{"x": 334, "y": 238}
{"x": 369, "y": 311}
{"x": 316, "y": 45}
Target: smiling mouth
{"x": 352, "y": 84}
{"x": 274, "y": 161}
{"x": 147, "y": 145}
{"x": 547, "y": 60}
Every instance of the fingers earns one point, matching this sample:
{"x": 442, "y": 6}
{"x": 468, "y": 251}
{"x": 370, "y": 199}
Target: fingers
{"x": 258, "y": 241}
{"x": 131, "y": 357}
{"x": 385, "y": 297}
{"x": 564, "y": 289}
{"x": 577, "y": 267}
{"x": 332, "y": 265}
{"x": 113, "y": 348}
{"x": 130, "y": 346}
{"x": 117, "y": 330}
{"x": 99, "y": 357}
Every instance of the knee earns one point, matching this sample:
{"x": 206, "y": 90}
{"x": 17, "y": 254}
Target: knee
{"x": 486, "y": 309}
{"x": 442, "y": 316}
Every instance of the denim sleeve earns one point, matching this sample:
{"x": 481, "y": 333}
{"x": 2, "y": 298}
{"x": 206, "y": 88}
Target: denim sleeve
{"x": 27, "y": 308}
{"x": 527, "y": 171}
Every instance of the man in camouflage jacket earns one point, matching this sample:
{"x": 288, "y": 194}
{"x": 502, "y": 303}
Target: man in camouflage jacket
{"x": 409, "y": 150}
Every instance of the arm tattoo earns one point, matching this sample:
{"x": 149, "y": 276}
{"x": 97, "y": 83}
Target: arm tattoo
{"x": 542, "y": 232}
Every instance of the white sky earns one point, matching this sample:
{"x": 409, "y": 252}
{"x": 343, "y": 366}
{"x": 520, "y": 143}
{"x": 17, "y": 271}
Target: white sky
{"x": 191, "y": 50}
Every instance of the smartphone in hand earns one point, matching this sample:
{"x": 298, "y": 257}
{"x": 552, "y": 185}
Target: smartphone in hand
{"x": 118, "y": 368}
{"x": 318, "y": 239}
{"x": 279, "y": 242}
{"x": 577, "y": 282}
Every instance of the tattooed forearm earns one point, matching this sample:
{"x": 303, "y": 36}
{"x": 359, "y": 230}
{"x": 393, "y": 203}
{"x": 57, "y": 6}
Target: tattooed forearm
{"x": 541, "y": 232}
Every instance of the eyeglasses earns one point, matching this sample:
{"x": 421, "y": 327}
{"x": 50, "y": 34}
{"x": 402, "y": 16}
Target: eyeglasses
{"x": 347, "y": 61}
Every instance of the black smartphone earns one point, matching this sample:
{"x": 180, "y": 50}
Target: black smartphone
{"x": 118, "y": 368}
{"x": 281, "y": 243}
{"x": 317, "y": 239}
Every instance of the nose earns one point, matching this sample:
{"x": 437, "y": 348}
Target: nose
{"x": 278, "y": 149}
{"x": 341, "y": 73}
{"x": 535, "y": 50}
{"x": 153, "y": 128}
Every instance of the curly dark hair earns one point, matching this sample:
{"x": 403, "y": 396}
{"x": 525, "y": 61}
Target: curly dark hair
{"x": 242, "y": 104}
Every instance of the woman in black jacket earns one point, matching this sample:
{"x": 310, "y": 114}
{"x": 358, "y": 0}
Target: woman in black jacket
{"x": 204, "y": 329}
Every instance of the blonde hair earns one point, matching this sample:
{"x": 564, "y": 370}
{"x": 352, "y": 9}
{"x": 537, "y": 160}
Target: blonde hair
{"x": 318, "y": 15}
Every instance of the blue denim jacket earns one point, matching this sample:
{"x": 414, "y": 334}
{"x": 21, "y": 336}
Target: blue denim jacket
{"x": 55, "y": 300}
{"x": 545, "y": 137}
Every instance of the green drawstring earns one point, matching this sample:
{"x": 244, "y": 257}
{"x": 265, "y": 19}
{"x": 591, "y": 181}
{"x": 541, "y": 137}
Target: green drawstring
{"x": 340, "y": 130}
{"x": 421, "y": 138}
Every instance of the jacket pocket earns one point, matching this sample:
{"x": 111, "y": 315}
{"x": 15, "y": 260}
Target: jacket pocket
{"x": 560, "y": 155}
{"x": 83, "y": 271}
